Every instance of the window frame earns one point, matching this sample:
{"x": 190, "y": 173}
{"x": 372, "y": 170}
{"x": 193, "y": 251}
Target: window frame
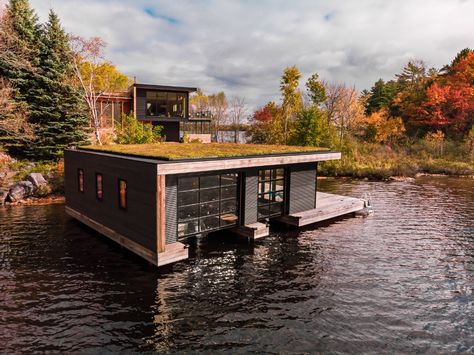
{"x": 274, "y": 188}
{"x": 119, "y": 180}
{"x": 199, "y": 204}
{"x": 153, "y": 104}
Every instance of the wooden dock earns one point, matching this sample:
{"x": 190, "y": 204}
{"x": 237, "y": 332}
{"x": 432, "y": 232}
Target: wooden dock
{"x": 328, "y": 206}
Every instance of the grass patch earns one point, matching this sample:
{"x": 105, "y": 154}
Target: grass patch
{"x": 176, "y": 151}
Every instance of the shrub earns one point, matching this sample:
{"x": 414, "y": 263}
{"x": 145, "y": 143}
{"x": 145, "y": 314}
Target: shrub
{"x": 134, "y": 132}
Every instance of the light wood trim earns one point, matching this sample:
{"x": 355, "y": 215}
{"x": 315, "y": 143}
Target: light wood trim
{"x": 117, "y": 237}
{"x": 135, "y": 102}
{"x": 224, "y": 164}
{"x": 160, "y": 214}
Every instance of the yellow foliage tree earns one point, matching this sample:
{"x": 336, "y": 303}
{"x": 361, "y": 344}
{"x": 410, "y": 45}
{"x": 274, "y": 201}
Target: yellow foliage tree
{"x": 379, "y": 127}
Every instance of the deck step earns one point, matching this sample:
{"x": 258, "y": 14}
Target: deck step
{"x": 173, "y": 252}
{"x": 252, "y": 231}
{"x": 328, "y": 206}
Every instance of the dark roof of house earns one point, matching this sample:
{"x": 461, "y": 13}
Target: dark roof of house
{"x": 164, "y": 87}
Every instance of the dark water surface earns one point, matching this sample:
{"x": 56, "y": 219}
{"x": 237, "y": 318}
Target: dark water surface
{"x": 401, "y": 280}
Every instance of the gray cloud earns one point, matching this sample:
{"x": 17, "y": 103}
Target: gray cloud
{"x": 241, "y": 47}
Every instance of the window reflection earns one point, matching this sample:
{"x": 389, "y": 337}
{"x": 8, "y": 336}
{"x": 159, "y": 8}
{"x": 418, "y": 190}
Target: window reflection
{"x": 206, "y": 203}
{"x": 165, "y": 104}
{"x": 271, "y": 193}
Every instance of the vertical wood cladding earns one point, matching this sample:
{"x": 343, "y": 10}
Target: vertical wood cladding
{"x": 171, "y": 208}
{"x": 249, "y": 209}
{"x": 302, "y": 189}
{"x": 138, "y": 221}
{"x": 141, "y": 104}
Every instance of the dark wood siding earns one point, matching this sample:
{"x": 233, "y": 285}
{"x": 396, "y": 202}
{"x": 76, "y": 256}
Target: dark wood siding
{"x": 302, "y": 187}
{"x": 139, "y": 221}
{"x": 171, "y": 208}
{"x": 250, "y": 196}
{"x": 141, "y": 104}
{"x": 170, "y": 130}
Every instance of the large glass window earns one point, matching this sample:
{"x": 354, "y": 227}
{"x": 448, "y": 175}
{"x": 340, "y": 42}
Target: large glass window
{"x": 165, "y": 104}
{"x": 271, "y": 193}
{"x": 206, "y": 203}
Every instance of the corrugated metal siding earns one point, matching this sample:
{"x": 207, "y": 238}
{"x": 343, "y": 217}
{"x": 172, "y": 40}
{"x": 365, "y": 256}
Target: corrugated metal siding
{"x": 141, "y": 104}
{"x": 250, "y": 195}
{"x": 171, "y": 209}
{"x": 302, "y": 187}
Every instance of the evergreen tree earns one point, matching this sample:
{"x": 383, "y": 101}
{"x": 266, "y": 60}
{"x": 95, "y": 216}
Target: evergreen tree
{"x": 20, "y": 63}
{"x": 19, "y": 48}
{"x": 56, "y": 106}
{"x": 381, "y": 95}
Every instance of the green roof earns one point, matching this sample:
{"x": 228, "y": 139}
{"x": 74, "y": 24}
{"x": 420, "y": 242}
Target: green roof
{"x": 176, "y": 151}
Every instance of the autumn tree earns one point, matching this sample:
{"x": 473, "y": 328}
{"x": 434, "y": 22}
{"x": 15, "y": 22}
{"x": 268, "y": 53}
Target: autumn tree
{"x": 449, "y": 102}
{"x": 291, "y": 104}
{"x": 379, "y": 127}
{"x": 89, "y": 53}
{"x": 237, "y": 114}
{"x": 218, "y": 107}
{"x": 315, "y": 90}
{"x": 412, "y": 83}
{"x": 342, "y": 106}
{"x": 261, "y": 123}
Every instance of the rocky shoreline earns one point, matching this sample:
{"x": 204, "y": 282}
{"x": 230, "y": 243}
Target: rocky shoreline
{"x": 33, "y": 188}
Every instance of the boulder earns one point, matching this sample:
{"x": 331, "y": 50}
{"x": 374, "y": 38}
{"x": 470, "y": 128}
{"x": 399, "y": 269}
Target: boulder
{"x": 3, "y": 197}
{"x": 36, "y": 179}
{"x": 20, "y": 191}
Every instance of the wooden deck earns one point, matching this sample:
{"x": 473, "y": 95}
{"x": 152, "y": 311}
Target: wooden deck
{"x": 327, "y": 206}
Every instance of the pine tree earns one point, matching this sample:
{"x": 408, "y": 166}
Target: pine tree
{"x": 20, "y": 63}
{"x": 56, "y": 106}
{"x": 19, "y": 49}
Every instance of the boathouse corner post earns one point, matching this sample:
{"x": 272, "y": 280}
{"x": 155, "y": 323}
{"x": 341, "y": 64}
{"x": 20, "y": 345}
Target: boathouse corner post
{"x": 160, "y": 214}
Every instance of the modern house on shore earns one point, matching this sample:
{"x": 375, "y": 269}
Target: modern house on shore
{"x": 151, "y": 198}
{"x": 167, "y": 106}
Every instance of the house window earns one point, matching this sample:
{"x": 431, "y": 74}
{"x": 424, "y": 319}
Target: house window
{"x": 99, "y": 193}
{"x": 80, "y": 180}
{"x": 122, "y": 194}
{"x": 207, "y": 203}
{"x": 271, "y": 193}
{"x": 165, "y": 104}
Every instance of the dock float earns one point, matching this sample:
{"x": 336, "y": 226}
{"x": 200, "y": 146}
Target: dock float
{"x": 328, "y": 206}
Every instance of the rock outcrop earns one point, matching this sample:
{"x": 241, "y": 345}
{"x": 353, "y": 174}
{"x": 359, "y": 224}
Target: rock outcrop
{"x": 36, "y": 179}
{"x": 20, "y": 191}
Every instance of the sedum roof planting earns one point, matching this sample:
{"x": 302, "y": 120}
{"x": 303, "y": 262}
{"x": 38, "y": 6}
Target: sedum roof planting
{"x": 177, "y": 151}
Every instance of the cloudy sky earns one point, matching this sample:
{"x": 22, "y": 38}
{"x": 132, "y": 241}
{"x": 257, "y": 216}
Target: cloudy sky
{"x": 242, "y": 46}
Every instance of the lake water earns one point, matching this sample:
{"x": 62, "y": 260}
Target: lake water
{"x": 400, "y": 280}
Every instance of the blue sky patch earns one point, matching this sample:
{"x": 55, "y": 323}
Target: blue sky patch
{"x": 153, "y": 13}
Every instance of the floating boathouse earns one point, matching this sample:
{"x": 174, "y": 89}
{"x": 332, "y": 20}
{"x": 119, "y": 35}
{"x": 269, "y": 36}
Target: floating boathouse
{"x": 150, "y": 198}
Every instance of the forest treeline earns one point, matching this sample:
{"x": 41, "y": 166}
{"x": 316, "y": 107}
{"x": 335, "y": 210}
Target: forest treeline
{"x": 422, "y": 121}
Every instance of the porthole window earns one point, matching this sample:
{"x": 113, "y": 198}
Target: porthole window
{"x": 122, "y": 194}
